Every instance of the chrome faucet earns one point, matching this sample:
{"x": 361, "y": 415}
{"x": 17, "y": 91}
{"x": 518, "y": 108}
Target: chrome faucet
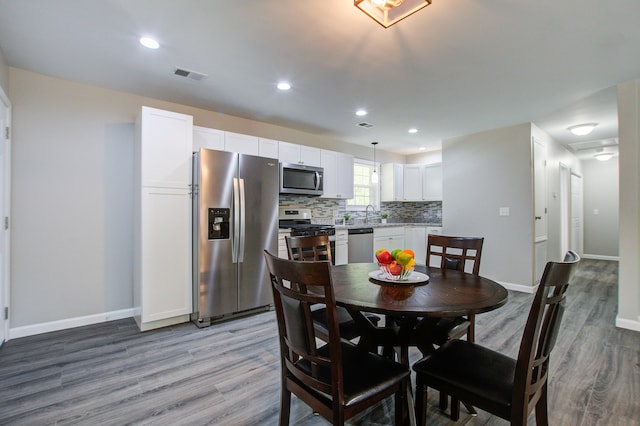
{"x": 366, "y": 213}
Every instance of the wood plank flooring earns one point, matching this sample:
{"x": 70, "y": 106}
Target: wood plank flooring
{"x": 228, "y": 374}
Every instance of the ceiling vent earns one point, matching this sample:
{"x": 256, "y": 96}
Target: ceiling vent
{"x": 193, "y": 75}
{"x": 365, "y": 125}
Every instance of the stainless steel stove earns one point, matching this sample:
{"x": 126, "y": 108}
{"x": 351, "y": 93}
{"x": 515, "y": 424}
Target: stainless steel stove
{"x": 298, "y": 221}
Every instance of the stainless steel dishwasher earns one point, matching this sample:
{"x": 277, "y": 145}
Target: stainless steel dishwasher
{"x": 360, "y": 245}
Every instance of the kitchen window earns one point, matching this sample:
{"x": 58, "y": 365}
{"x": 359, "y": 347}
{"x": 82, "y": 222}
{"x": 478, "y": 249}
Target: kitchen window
{"x": 364, "y": 192}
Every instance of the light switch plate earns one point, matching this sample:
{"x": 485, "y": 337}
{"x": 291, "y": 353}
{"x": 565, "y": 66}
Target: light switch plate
{"x": 504, "y": 211}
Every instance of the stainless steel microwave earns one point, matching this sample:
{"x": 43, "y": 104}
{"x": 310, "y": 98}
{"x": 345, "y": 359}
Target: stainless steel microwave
{"x": 301, "y": 179}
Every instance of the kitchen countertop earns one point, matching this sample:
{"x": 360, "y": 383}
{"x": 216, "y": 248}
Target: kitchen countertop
{"x": 376, "y": 225}
{"x": 385, "y": 225}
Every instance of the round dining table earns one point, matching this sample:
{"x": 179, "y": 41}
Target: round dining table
{"x": 411, "y": 309}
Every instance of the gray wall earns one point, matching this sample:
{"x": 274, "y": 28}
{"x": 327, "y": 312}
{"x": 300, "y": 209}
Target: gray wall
{"x": 481, "y": 173}
{"x": 629, "y": 135}
{"x": 601, "y": 237}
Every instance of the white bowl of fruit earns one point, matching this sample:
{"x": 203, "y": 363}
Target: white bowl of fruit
{"x": 396, "y": 265}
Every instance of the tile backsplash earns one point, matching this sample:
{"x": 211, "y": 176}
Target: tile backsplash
{"x": 325, "y": 210}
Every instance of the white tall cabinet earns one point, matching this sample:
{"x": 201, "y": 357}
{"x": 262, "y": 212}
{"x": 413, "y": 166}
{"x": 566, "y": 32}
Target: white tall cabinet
{"x": 162, "y": 222}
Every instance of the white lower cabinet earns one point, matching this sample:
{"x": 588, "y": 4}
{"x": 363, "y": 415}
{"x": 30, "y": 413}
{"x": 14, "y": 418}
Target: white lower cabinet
{"x": 162, "y": 291}
{"x": 415, "y": 238}
{"x": 390, "y": 238}
{"x": 282, "y": 245}
{"x": 342, "y": 247}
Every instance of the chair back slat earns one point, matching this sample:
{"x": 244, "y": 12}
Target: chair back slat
{"x": 461, "y": 253}
{"x": 305, "y": 248}
{"x": 541, "y": 331}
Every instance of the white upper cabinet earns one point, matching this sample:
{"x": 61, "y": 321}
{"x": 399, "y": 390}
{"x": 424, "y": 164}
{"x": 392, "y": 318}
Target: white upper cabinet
{"x": 413, "y": 182}
{"x": 203, "y": 137}
{"x": 391, "y": 178}
{"x": 166, "y": 143}
{"x": 432, "y": 182}
{"x": 338, "y": 174}
{"x": 299, "y": 154}
{"x": 243, "y": 144}
{"x": 268, "y": 148}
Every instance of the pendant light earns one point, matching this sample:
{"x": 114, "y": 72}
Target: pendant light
{"x": 374, "y": 175}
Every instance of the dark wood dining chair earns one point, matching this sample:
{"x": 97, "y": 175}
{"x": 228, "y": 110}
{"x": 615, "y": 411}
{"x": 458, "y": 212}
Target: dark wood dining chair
{"x": 336, "y": 379}
{"x": 462, "y": 254}
{"x": 506, "y": 387}
{"x": 314, "y": 248}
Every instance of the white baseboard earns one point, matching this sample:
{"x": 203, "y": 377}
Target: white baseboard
{"x": 600, "y": 257}
{"x": 45, "y": 327}
{"x": 628, "y": 324}
{"x": 518, "y": 287}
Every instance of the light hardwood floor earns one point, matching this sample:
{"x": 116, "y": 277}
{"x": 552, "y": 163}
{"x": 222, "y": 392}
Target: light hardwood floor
{"x": 228, "y": 374}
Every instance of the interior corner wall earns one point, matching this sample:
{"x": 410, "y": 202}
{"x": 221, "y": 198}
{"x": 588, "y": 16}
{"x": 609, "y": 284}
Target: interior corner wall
{"x": 4, "y": 73}
{"x": 482, "y": 173}
{"x": 601, "y": 212}
{"x": 629, "y": 164}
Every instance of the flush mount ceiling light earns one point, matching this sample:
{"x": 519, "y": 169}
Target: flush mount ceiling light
{"x": 388, "y": 12}
{"x": 150, "y": 43}
{"x": 582, "y": 129}
{"x": 283, "y": 85}
{"x": 374, "y": 175}
{"x": 413, "y": 130}
{"x": 603, "y": 156}
{"x": 361, "y": 112}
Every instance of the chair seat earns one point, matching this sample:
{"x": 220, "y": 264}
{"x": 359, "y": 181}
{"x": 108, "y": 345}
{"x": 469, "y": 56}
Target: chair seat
{"x": 367, "y": 375}
{"x": 450, "y": 328}
{"x": 348, "y": 327}
{"x": 480, "y": 375}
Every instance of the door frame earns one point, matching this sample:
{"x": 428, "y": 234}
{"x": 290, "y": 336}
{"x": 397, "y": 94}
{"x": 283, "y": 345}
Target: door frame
{"x": 565, "y": 208}
{"x": 5, "y": 192}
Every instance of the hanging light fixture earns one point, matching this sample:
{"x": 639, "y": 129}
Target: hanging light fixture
{"x": 388, "y": 12}
{"x": 374, "y": 175}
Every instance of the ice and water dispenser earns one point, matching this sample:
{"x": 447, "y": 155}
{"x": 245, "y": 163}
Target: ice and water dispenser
{"x": 219, "y": 224}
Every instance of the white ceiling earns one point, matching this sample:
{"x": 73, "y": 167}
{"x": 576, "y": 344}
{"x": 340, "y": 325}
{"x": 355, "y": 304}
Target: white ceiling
{"x": 456, "y": 67}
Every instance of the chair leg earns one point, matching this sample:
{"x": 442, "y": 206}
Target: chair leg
{"x": 455, "y": 409}
{"x": 542, "y": 415}
{"x": 421, "y": 402}
{"x": 444, "y": 401}
{"x": 285, "y": 406}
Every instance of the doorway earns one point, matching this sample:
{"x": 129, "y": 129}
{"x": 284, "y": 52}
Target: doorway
{"x": 565, "y": 208}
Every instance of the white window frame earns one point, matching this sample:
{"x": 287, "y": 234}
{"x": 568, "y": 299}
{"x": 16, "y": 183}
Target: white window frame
{"x": 375, "y": 187}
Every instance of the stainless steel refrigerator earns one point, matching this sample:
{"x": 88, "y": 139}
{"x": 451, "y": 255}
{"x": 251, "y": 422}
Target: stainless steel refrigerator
{"x": 235, "y": 218}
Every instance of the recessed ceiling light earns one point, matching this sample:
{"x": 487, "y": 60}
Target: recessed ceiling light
{"x": 149, "y": 43}
{"x": 361, "y": 112}
{"x": 582, "y": 129}
{"x": 283, "y": 85}
{"x": 413, "y": 130}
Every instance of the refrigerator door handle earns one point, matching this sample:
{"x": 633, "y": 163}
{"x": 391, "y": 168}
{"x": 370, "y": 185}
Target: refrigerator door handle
{"x": 236, "y": 221}
{"x": 242, "y": 223}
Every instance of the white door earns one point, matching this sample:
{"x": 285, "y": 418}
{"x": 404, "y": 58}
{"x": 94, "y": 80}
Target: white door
{"x": 5, "y": 159}
{"x": 577, "y": 214}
